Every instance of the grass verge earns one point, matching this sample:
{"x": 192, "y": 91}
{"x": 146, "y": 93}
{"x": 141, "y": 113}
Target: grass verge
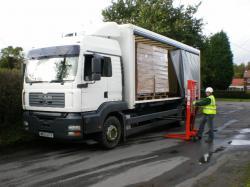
{"x": 11, "y": 135}
{"x": 247, "y": 175}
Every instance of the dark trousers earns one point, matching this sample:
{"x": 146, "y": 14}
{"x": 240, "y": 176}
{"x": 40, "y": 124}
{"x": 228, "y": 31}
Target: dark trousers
{"x": 210, "y": 119}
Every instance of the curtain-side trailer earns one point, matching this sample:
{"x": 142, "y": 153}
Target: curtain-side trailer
{"x": 114, "y": 82}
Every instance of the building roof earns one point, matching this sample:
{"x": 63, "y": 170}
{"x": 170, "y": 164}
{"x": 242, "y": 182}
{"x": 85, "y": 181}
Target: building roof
{"x": 247, "y": 74}
{"x": 237, "y": 82}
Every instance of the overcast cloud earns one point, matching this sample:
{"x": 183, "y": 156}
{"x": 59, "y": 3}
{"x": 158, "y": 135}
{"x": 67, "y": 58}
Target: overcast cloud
{"x": 30, "y": 23}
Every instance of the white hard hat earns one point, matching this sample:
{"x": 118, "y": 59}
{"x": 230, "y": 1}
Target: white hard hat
{"x": 209, "y": 89}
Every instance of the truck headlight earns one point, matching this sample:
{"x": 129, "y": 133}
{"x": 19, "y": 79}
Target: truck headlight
{"x": 25, "y": 123}
{"x": 74, "y": 127}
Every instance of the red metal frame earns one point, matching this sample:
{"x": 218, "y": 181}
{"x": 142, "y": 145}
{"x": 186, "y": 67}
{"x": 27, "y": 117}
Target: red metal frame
{"x": 190, "y": 131}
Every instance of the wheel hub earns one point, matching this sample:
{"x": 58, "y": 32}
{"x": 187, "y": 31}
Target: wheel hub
{"x": 112, "y": 133}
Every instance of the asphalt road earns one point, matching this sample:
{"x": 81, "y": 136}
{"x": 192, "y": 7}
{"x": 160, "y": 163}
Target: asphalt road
{"x": 147, "y": 159}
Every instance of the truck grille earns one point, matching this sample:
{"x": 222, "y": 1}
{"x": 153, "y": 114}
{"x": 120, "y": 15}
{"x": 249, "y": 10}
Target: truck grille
{"x": 47, "y": 100}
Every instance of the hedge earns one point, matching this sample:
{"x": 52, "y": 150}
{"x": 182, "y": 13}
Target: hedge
{"x": 10, "y": 97}
{"x": 229, "y": 94}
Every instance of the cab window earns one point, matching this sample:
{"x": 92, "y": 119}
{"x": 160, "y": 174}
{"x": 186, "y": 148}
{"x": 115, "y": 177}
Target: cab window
{"x": 106, "y": 67}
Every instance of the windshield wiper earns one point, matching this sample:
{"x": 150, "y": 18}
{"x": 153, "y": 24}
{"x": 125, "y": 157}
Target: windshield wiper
{"x": 31, "y": 82}
{"x": 56, "y": 81}
{"x": 61, "y": 81}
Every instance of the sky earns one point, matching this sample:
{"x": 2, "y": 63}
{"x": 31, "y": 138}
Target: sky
{"x": 31, "y": 23}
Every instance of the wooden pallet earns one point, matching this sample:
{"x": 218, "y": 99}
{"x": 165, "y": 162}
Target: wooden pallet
{"x": 141, "y": 98}
{"x": 161, "y": 94}
{"x": 150, "y": 97}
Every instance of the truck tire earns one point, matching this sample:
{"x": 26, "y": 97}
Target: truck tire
{"x": 111, "y": 134}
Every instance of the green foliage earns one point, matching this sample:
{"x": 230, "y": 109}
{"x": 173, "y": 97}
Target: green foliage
{"x": 228, "y": 94}
{"x": 247, "y": 66}
{"x": 204, "y": 66}
{"x": 159, "y": 16}
{"x": 11, "y": 128}
{"x": 11, "y": 57}
{"x": 217, "y": 62}
{"x": 239, "y": 70}
{"x": 13, "y": 134}
{"x": 10, "y": 97}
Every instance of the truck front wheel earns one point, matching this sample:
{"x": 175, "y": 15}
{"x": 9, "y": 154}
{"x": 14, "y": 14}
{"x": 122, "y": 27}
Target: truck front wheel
{"x": 111, "y": 133}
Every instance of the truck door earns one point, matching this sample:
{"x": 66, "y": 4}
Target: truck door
{"x": 108, "y": 88}
{"x": 114, "y": 80}
{"x": 95, "y": 92}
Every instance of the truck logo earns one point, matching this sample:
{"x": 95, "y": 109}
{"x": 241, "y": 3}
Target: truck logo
{"x": 45, "y": 99}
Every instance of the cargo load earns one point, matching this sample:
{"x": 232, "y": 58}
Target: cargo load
{"x": 152, "y": 70}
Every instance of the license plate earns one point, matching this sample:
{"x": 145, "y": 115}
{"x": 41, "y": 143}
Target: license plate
{"x": 46, "y": 134}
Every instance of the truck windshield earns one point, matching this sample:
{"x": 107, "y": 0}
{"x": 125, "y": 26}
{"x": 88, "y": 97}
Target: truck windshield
{"x": 54, "y": 64}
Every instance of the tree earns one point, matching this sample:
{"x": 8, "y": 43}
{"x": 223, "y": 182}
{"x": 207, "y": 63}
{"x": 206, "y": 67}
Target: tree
{"x": 248, "y": 66}
{"x": 204, "y": 68}
{"x": 218, "y": 62}
{"x": 159, "y": 16}
{"x": 11, "y": 57}
{"x": 239, "y": 70}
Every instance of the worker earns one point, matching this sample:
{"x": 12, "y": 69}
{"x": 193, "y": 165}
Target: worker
{"x": 208, "y": 105}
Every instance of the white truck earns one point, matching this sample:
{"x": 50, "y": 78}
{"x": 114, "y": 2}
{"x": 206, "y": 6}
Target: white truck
{"x": 117, "y": 81}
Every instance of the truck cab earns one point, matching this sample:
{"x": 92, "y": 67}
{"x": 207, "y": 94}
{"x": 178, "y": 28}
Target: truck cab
{"x": 63, "y": 81}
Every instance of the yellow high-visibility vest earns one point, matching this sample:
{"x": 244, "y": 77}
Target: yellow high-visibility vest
{"x": 211, "y": 108}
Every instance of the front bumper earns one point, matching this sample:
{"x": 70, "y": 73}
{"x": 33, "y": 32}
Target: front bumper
{"x": 53, "y": 123}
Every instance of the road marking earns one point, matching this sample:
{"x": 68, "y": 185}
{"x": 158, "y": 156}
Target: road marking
{"x": 225, "y": 125}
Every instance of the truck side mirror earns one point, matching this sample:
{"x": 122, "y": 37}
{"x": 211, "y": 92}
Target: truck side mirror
{"x": 96, "y": 67}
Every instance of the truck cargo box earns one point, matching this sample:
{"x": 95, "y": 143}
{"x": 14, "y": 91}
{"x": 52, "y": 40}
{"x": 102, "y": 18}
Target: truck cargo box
{"x": 156, "y": 68}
